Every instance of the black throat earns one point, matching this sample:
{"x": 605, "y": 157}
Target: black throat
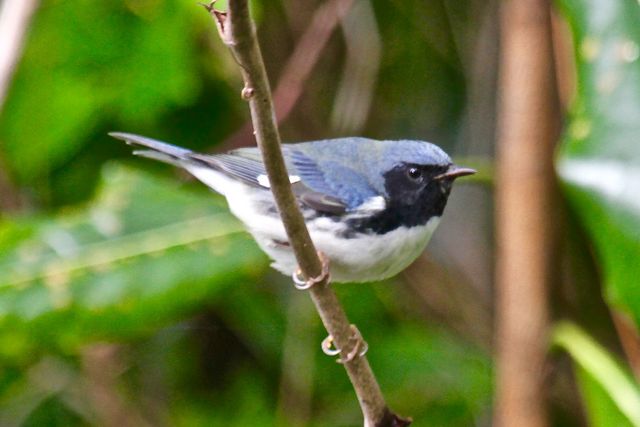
{"x": 410, "y": 202}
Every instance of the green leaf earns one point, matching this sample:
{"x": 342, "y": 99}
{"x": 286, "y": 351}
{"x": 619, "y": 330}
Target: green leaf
{"x": 599, "y": 161}
{"x": 144, "y": 254}
{"x": 601, "y": 410}
{"x": 611, "y": 396}
{"x": 86, "y": 62}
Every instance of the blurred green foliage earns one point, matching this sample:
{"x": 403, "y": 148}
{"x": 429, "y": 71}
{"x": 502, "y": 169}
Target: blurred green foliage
{"x": 599, "y": 163}
{"x": 87, "y": 66}
{"x": 105, "y": 58}
{"x": 118, "y": 267}
{"x": 600, "y": 158}
{"x": 611, "y": 395}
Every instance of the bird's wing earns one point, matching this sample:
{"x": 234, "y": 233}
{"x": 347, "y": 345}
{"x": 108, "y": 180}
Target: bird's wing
{"x": 333, "y": 174}
{"x": 344, "y": 190}
{"x": 246, "y": 165}
{"x": 250, "y": 171}
{"x": 329, "y": 179}
{"x": 307, "y": 179}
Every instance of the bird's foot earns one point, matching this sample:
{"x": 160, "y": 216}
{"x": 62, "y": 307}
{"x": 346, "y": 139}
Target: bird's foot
{"x": 303, "y": 284}
{"x": 359, "y": 349}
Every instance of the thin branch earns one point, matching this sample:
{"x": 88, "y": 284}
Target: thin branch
{"x": 102, "y": 365}
{"x": 10, "y": 197}
{"x": 355, "y": 92}
{"x": 527, "y": 131}
{"x": 629, "y": 338}
{"x": 238, "y": 32}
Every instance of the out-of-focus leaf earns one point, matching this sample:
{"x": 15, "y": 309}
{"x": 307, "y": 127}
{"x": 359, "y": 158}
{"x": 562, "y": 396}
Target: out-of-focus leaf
{"x": 435, "y": 376}
{"x": 85, "y": 61}
{"x": 19, "y": 405}
{"x": 599, "y": 160}
{"x": 142, "y": 255}
{"x": 258, "y": 320}
{"x": 252, "y": 406}
{"x": 602, "y": 412}
{"x": 611, "y": 396}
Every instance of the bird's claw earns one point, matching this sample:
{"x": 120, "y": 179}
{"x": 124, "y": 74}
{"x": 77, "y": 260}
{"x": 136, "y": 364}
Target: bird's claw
{"x": 359, "y": 349}
{"x": 303, "y": 284}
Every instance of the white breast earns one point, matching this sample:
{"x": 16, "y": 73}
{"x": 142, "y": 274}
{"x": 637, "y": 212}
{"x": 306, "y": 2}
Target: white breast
{"x": 374, "y": 257}
{"x": 361, "y": 258}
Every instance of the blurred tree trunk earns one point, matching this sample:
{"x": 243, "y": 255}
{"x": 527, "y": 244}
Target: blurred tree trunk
{"x": 527, "y": 130}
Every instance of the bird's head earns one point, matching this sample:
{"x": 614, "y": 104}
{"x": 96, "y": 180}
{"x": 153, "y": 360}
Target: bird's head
{"x": 416, "y": 178}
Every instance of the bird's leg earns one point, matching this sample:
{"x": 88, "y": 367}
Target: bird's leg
{"x": 303, "y": 284}
{"x": 360, "y": 347}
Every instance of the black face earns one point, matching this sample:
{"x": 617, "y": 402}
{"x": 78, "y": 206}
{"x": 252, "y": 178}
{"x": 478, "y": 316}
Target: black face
{"x": 414, "y": 197}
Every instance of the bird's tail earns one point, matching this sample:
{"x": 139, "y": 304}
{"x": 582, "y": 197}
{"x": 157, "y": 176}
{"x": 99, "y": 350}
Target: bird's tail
{"x": 156, "y": 150}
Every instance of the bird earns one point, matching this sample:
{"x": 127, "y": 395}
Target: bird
{"x": 371, "y": 206}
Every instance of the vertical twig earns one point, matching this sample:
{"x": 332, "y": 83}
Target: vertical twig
{"x": 102, "y": 365}
{"x": 527, "y": 130}
{"x": 629, "y": 338}
{"x": 10, "y": 198}
{"x": 238, "y": 33}
{"x": 356, "y": 88}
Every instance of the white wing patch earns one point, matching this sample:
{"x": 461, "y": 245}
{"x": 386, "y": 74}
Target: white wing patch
{"x": 263, "y": 180}
{"x": 372, "y": 204}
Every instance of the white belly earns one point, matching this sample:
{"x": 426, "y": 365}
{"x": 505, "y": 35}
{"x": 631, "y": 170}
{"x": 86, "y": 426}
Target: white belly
{"x": 360, "y": 258}
{"x": 366, "y": 258}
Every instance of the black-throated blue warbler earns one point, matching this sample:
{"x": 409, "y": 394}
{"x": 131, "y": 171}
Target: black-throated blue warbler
{"x": 370, "y": 206}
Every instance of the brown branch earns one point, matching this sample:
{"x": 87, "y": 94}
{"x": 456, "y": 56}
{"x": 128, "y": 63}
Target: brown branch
{"x": 629, "y": 338}
{"x": 10, "y": 198}
{"x": 356, "y": 87}
{"x": 238, "y": 32}
{"x": 527, "y": 131}
{"x": 102, "y": 365}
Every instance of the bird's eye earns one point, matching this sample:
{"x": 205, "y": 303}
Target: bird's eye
{"x": 414, "y": 174}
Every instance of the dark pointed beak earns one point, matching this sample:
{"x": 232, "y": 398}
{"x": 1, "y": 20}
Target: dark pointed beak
{"x": 454, "y": 172}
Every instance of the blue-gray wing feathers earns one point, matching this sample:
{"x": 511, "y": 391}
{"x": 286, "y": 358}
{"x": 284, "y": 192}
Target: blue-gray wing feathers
{"x": 246, "y": 165}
